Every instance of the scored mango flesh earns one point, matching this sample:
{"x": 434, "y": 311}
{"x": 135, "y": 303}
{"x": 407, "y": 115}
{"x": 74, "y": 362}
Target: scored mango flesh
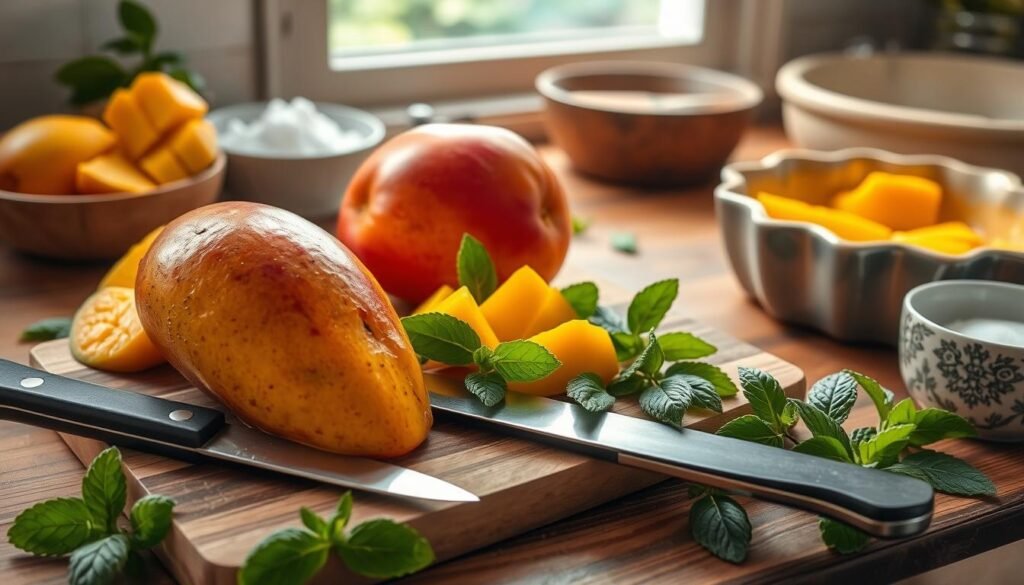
{"x": 106, "y": 333}
{"x": 513, "y": 307}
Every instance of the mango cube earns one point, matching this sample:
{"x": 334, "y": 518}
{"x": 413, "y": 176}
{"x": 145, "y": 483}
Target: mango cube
{"x": 110, "y": 173}
{"x": 195, "y": 145}
{"x": 553, "y": 312}
{"x": 162, "y": 166}
{"x": 901, "y": 202}
{"x": 461, "y": 305}
{"x": 167, "y": 102}
{"x": 844, "y": 224}
{"x": 124, "y": 116}
{"x": 512, "y": 308}
{"x": 442, "y": 293}
{"x": 581, "y": 347}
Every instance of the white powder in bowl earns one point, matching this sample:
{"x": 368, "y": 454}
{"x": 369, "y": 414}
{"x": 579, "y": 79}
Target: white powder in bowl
{"x": 289, "y": 129}
{"x": 1001, "y": 331}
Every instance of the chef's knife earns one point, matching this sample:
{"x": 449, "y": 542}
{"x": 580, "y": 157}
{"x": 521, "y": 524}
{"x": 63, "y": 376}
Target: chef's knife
{"x": 156, "y": 424}
{"x": 880, "y": 503}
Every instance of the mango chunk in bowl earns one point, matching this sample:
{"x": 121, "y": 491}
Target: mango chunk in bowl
{"x": 850, "y": 284}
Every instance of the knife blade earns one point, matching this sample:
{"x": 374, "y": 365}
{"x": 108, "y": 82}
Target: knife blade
{"x": 886, "y": 505}
{"x": 176, "y": 428}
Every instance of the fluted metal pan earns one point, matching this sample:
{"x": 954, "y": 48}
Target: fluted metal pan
{"x": 803, "y": 273}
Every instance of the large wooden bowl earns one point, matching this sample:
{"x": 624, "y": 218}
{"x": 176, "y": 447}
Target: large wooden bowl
{"x": 98, "y": 227}
{"x": 643, "y": 123}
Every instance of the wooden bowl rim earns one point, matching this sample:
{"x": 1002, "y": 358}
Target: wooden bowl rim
{"x": 202, "y": 176}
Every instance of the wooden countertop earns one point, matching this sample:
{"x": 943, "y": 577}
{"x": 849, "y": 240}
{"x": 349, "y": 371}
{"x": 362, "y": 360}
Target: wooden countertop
{"x": 640, "y": 538}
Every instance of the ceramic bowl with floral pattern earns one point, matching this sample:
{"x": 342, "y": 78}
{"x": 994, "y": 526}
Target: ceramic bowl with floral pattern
{"x": 962, "y": 349}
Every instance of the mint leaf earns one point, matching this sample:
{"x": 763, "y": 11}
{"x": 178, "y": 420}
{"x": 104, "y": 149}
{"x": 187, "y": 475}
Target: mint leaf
{"x": 751, "y": 428}
{"x": 651, "y": 304}
{"x": 103, "y": 489}
{"x": 627, "y": 345}
{"x": 314, "y": 522}
{"x": 666, "y": 402}
{"x": 47, "y": 329}
{"x": 648, "y": 362}
{"x": 482, "y": 357}
{"x": 702, "y": 392}
{"x": 151, "y": 520}
{"x": 884, "y": 448}
{"x": 625, "y": 386}
{"x": 583, "y": 298}
{"x": 54, "y": 527}
{"x": 579, "y": 225}
{"x": 489, "y": 388}
{"x": 933, "y": 424}
{"x": 624, "y": 242}
{"x": 684, "y": 346}
{"x": 902, "y": 413}
{"x": 523, "y": 361}
{"x": 291, "y": 555}
{"x": 826, "y": 447}
{"x": 880, "y": 396}
{"x": 862, "y": 434}
{"x": 442, "y": 338}
{"x": 821, "y": 425}
{"x": 842, "y": 538}
{"x": 608, "y": 320}
{"x": 138, "y": 21}
{"x": 338, "y": 521}
{"x": 475, "y": 268}
{"x": 789, "y": 416}
{"x": 382, "y": 549}
{"x": 588, "y": 391}
{"x": 97, "y": 563}
{"x": 765, "y": 395}
{"x": 945, "y": 473}
{"x": 128, "y": 45}
{"x": 722, "y": 382}
{"x": 92, "y": 78}
{"x": 834, "y": 395}
{"x": 720, "y": 524}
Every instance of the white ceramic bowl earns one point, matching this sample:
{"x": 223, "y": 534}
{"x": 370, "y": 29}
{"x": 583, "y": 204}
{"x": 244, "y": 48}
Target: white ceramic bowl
{"x": 979, "y": 379}
{"x": 311, "y": 186}
{"x": 964, "y": 107}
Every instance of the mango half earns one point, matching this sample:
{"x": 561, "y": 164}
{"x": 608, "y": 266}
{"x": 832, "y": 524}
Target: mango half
{"x": 280, "y": 322}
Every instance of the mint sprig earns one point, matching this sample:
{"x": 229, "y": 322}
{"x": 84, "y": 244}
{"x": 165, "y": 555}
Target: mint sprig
{"x": 453, "y": 342}
{"x": 475, "y": 268}
{"x": 582, "y": 296}
{"x": 379, "y": 549}
{"x": 87, "y": 527}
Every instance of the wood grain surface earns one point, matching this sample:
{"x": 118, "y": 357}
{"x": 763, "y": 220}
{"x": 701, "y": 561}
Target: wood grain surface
{"x": 643, "y": 537}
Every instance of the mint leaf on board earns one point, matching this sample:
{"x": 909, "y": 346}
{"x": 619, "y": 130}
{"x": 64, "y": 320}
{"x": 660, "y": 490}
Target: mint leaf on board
{"x": 99, "y": 562}
{"x": 933, "y": 424}
{"x": 624, "y": 242}
{"x": 625, "y": 386}
{"x": 827, "y": 447}
{"x": 47, "y": 329}
{"x": 945, "y": 473}
{"x": 489, "y": 388}
{"x": 588, "y": 391}
{"x": 314, "y": 522}
{"x": 902, "y": 413}
{"x": 648, "y": 362}
{"x": 475, "y": 268}
{"x": 608, "y": 320}
{"x": 582, "y": 296}
{"x": 862, "y": 434}
{"x": 338, "y": 521}
{"x": 680, "y": 345}
{"x": 626, "y": 345}
{"x": 54, "y": 527}
{"x": 291, "y": 555}
{"x": 880, "y": 396}
{"x": 720, "y": 524}
{"x": 722, "y": 382}
{"x": 702, "y": 392}
{"x": 666, "y": 403}
{"x": 651, "y": 304}
{"x": 764, "y": 394}
{"x": 749, "y": 427}
{"x": 579, "y": 225}
{"x": 821, "y": 425}
{"x": 842, "y": 538}
{"x": 789, "y": 415}
{"x": 442, "y": 338}
{"x": 834, "y": 395}
{"x": 883, "y": 449}
{"x": 104, "y": 489}
{"x": 151, "y": 520}
{"x": 523, "y": 361}
{"x": 383, "y": 549}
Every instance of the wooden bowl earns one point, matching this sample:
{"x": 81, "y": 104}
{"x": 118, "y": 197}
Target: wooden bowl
{"x": 643, "y": 123}
{"x": 100, "y": 227}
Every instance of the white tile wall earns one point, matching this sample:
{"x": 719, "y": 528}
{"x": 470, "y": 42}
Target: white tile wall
{"x": 38, "y": 36}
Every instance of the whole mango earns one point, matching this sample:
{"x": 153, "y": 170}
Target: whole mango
{"x": 41, "y": 154}
{"x": 411, "y": 201}
{"x": 280, "y": 322}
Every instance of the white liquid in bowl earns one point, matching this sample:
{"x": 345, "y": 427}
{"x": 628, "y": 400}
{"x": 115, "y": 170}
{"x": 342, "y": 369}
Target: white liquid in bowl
{"x": 1003, "y": 331}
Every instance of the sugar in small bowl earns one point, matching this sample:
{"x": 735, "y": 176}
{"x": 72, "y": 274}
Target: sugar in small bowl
{"x": 962, "y": 349}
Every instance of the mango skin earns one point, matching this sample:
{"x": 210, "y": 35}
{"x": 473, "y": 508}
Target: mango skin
{"x": 281, "y": 323}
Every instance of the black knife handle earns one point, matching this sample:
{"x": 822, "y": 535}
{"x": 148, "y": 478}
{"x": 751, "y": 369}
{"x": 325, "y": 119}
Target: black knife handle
{"x": 79, "y": 404}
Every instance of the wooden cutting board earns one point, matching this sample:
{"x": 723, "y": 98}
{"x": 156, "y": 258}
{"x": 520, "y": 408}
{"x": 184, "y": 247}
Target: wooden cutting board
{"x": 223, "y": 511}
